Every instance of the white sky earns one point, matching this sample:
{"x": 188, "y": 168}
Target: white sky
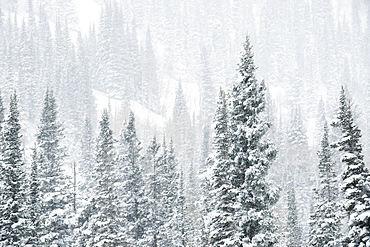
{"x": 88, "y": 13}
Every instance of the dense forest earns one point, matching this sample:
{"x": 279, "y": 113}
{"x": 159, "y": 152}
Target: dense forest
{"x": 184, "y": 123}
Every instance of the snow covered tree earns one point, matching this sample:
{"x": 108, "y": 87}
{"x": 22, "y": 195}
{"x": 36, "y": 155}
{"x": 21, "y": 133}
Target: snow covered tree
{"x": 101, "y": 220}
{"x": 2, "y": 112}
{"x": 13, "y": 196}
{"x": 223, "y": 225}
{"x": 356, "y": 179}
{"x": 169, "y": 198}
{"x": 34, "y": 204}
{"x": 131, "y": 185}
{"x": 87, "y": 165}
{"x": 54, "y": 185}
{"x": 294, "y": 236}
{"x": 325, "y": 224}
{"x": 152, "y": 159}
{"x": 2, "y": 119}
{"x": 181, "y": 127}
{"x": 165, "y": 226}
{"x": 180, "y": 221}
{"x": 252, "y": 155}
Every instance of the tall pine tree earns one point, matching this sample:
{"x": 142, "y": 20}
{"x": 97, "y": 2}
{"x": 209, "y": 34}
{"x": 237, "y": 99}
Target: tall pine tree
{"x": 131, "y": 185}
{"x": 34, "y": 203}
{"x": 13, "y": 196}
{"x": 356, "y": 179}
{"x": 294, "y": 230}
{"x": 325, "y": 224}
{"x": 2, "y": 119}
{"x": 223, "y": 226}
{"x": 54, "y": 185}
{"x": 102, "y": 225}
{"x": 252, "y": 155}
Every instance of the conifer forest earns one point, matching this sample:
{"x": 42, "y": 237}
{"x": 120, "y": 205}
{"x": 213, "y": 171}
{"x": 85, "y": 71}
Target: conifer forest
{"x": 185, "y": 123}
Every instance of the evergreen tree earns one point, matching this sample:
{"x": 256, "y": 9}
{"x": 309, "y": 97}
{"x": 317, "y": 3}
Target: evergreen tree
{"x": 165, "y": 222}
{"x": 294, "y": 237}
{"x": 2, "y": 119}
{"x": 325, "y": 225}
{"x": 181, "y": 128}
{"x": 13, "y": 197}
{"x": 356, "y": 179}
{"x": 180, "y": 221}
{"x": 131, "y": 185}
{"x": 152, "y": 160}
{"x": 34, "y": 206}
{"x": 88, "y": 161}
{"x": 251, "y": 154}
{"x": 2, "y": 112}
{"x": 222, "y": 227}
{"x": 54, "y": 185}
{"x": 169, "y": 197}
{"x": 101, "y": 221}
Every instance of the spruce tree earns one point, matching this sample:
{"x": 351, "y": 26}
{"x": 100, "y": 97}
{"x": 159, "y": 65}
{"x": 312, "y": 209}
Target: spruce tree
{"x": 54, "y": 185}
{"x": 325, "y": 224}
{"x": 252, "y": 155}
{"x": 87, "y": 165}
{"x": 356, "y": 179}
{"x": 13, "y": 196}
{"x": 2, "y": 112}
{"x": 223, "y": 226}
{"x": 152, "y": 158}
{"x": 180, "y": 221}
{"x": 101, "y": 221}
{"x": 131, "y": 185}
{"x": 34, "y": 203}
{"x": 2, "y": 119}
{"x": 294, "y": 231}
{"x": 169, "y": 196}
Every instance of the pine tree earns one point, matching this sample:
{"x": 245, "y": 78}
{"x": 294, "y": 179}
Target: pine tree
{"x": 169, "y": 197}
{"x": 251, "y": 154}
{"x": 101, "y": 221}
{"x": 131, "y": 185}
{"x": 356, "y": 179}
{"x": 87, "y": 166}
{"x": 13, "y": 197}
{"x": 222, "y": 227}
{"x": 180, "y": 221}
{"x": 2, "y": 112}
{"x": 2, "y": 119}
{"x": 325, "y": 225}
{"x": 294, "y": 236}
{"x": 165, "y": 222}
{"x": 54, "y": 185}
{"x": 181, "y": 127}
{"x": 34, "y": 203}
{"x": 152, "y": 158}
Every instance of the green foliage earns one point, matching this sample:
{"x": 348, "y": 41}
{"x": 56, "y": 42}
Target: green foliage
{"x": 243, "y": 155}
{"x": 102, "y": 224}
{"x": 294, "y": 236}
{"x": 325, "y": 224}
{"x": 13, "y": 193}
{"x": 131, "y": 186}
{"x": 54, "y": 185}
{"x": 356, "y": 179}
